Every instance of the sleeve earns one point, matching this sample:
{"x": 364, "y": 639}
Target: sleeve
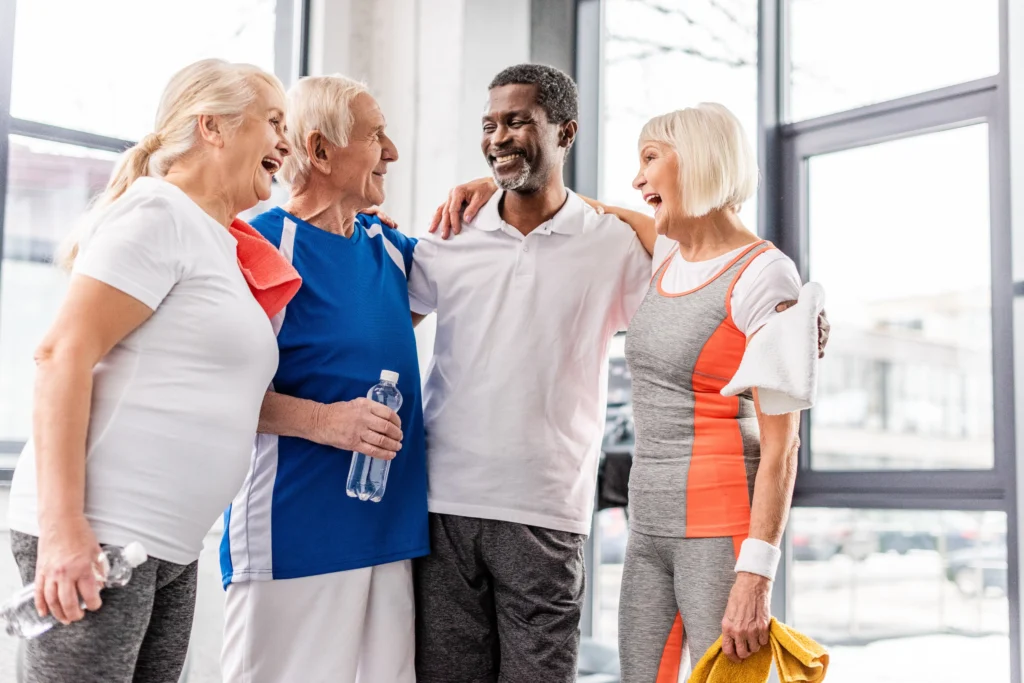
{"x": 636, "y": 278}
{"x": 770, "y": 279}
{"x": 663, "y": 246}
{"x": 137, "y": 251}
{"x": 422, "y": 282}
{"x": 404, "y": 243}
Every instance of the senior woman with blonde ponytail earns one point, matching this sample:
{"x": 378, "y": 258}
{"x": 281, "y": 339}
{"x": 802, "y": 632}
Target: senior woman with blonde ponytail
{"x": 150, "y": 381}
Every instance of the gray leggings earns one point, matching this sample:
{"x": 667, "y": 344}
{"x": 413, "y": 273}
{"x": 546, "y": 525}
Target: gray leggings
{"x": 139, "y": 635}
{"x": 666, "y": 578}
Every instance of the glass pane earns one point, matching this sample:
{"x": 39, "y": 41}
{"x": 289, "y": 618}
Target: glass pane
{"x": 903, "y": 595}
{"x": 611, "y": 528}
{"x": 663, "y": 56}
{"x": 907, "y": 379}
{"x": 851, "y": 53}
{"x": 124, "y": 51}
{"x": 49, "y": 187}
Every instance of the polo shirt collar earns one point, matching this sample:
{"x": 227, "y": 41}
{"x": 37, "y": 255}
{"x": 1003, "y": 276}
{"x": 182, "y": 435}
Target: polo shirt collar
{"x": 568, "y": 220}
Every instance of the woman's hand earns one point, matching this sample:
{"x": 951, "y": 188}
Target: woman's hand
{"x": 594, "y": 204}
{"x": 824, "y": 326}
{"x": 747, "y": 616}
{"x": 473, "y": 195}
{"x": 384, "y": 218}
{"x": 65, "y": 569}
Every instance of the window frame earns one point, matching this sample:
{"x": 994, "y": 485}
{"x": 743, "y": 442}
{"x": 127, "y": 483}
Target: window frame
{"x": 291, "y": 61}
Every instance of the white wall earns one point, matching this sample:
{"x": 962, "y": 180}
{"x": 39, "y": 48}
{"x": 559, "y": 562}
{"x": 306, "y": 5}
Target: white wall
{"x": 428, "y": 62}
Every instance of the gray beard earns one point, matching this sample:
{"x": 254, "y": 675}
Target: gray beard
{"x": 518, "y": 182}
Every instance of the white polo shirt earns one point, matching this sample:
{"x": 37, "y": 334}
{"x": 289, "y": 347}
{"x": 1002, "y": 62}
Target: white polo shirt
{"x": 515, "y": 396}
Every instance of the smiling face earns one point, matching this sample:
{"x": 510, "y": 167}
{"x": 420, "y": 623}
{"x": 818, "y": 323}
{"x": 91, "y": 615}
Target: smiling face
{"x": 257, "y": 147}
{"x": 357, "y": 170}
{"x": 522, "y": 147}
{"x": 659, "y": 182}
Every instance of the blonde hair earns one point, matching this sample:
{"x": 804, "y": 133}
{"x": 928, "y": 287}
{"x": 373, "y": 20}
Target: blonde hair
{"x": 211, "y": 87}
{"x": 318, "y": 104}
{"x": 717, "y": 164}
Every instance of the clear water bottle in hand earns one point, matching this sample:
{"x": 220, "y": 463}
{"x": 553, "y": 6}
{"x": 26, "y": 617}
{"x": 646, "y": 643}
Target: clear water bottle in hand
{"x": 113, "y": 569}
{"x": 368, "y": 477}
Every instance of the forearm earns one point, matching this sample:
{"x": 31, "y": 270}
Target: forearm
{"x": 290, "y": 416}
{"x": 60, "y": 426}
{"x": 773, "y": 487}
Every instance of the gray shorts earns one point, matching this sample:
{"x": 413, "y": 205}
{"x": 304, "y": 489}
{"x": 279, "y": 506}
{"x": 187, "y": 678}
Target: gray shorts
{"x": 140, "y": 634}
{"x": 498, "y": 601}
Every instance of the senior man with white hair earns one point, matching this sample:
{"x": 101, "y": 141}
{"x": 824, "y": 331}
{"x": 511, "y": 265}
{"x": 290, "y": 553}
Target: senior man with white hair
{"x": 319, "y": 585}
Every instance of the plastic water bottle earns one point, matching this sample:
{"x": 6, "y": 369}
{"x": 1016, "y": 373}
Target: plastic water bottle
{"x": 113, "y": 569}
{"x": 368, "y": 477}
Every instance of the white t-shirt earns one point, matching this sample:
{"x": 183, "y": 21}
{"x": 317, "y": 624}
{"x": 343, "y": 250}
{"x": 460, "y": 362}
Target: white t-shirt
{"x": 514, "y": 401}
{"x": 770, "y": 279}
{"x": 175, "y": 404}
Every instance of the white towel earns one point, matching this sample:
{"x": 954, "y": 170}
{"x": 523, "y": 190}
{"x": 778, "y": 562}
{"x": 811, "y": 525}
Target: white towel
{"x": 781, "y": 360}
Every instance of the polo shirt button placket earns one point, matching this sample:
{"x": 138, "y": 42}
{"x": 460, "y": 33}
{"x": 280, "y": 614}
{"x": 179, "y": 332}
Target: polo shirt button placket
{"x": 526, "y": 264}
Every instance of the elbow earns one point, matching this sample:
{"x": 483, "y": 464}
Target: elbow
{"x": 46, "y": 354}
{"x": 60, "y": 353}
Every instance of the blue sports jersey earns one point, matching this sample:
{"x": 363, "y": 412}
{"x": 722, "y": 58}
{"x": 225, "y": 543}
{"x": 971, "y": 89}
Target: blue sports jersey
{"x": 349, "y": 320}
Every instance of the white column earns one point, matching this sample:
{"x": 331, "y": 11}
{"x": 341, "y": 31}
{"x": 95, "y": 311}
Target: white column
{"x": 497, "y": 35}
{"x": 330, "y": 26}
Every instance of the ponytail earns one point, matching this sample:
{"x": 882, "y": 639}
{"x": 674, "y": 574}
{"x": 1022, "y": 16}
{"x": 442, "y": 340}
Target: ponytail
{"x": 132, "y": 165}
{"x": 212, "y": 87}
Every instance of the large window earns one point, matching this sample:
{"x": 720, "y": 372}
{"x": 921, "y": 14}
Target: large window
{"x": 877, "y": 584}
{"x": 849, "y": 53}
{"x": 882, "y": 129}
{"x": 660, "y": 56}
{"x": 116, "y": 56}
{"x": 908, "y": 381}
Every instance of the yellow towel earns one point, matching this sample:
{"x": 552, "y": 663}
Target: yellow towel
{"x": 797, "y": 658}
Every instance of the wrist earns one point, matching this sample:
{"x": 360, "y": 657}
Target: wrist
{"x": 317, "y": 418}
{"x": 53, "y": 520}
{"x": 752, "y": 579}
{"x": 758, "y": 558}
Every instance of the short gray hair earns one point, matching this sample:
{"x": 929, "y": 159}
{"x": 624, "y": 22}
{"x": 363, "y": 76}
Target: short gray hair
{"x": 717, "y": 164}
{"x": 318, "y": 103}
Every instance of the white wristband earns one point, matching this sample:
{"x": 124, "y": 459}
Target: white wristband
{"x": 758, "y": 557}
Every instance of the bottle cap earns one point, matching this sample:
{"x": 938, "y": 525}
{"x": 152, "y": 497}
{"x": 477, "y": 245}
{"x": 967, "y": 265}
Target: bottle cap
{"x": 135, "y": 554}
{"x": 389, "y": 376}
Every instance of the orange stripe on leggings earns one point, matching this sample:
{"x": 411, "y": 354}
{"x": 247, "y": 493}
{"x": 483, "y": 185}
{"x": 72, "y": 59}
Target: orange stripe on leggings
{"x": 672, "y": 655}
{"x": 717, "y": 498}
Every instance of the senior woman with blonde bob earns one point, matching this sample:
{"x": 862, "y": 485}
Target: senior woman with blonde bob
{"x": 319, "y": 584}
{"x": 712, "y": 476}
{"x": 149, "y": 382}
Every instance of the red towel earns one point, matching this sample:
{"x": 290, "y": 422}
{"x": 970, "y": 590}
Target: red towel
{"x": 272, "y": 279}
